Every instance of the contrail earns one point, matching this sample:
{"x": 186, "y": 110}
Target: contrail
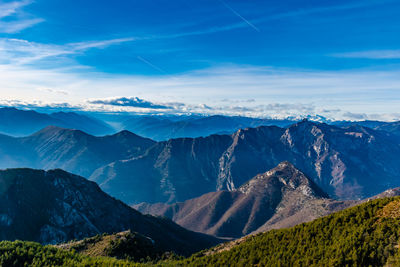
{"x": 240, "y": 16}
{"x": 150, "y": 64}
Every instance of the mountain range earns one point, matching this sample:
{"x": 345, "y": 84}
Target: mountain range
{"x": 71, "y": 150}
{"x": 55, "y": 206}
{"x": 343, "y": 162}
{"x": 16, "y": 122}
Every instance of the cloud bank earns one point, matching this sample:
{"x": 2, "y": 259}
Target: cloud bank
{"x": 128, "y": 102}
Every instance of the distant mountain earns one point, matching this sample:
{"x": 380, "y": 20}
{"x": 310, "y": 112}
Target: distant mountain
{"x": 17, "y": 122}
{"x": 348, "y": 163}
{"x": 281, "y": 197}
{"x": 71, "y": 150}
{"x": 389, "y": 127}
{"x": 367, "y": 123}
{"x": 163, "y": 128}
{"x": 55, "y": 206}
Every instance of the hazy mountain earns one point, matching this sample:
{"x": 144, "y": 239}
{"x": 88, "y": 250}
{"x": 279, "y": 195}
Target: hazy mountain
{"x": 349, "y": 163}
{"x": 17, "y": 122}
{"x": 164, "y": 128}
{"x": 281, "y": 197}
{"x": 72, "y": 150}
{"x": 390, "y": 127}
{"x": 368, "y": 123}
{"x": 55, "y": 206}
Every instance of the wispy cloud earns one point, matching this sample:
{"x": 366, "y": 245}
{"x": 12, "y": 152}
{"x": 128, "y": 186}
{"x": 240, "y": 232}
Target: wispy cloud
{"x": 17, "y": 26}
{"x": 10, "y": 8}
{"x": 21, "y": 52}
{"x": 16, "y": 19}
{"x": 97, "y": 44}
{"x": 372, "y": 54}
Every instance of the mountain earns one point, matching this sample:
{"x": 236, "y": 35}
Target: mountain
{"x": 365, "y": 235}
{"x": 18, "y": 122}
{"x": 281, "y": 197}
{"x": 343, "y": 162}
{"x": 71, "y": 150}
{"x": 346, "y": 163}
{"x": 55, "y": 206}
{"x": 163, "y": 128}
{"x": 389, "y": 127}
{"x": 177, "y": 169}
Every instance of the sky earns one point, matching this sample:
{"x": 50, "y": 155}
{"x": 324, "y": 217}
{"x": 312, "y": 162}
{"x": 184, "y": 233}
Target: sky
{"x": 339, "y": 59}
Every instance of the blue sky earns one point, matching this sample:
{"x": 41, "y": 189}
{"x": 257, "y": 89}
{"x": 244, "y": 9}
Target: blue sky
{"x": 340, "y": 59}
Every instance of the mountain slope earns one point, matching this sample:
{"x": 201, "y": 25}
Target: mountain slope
{"x": 60, "y": 206}
{"x": 345, "y": 163}
{"x": 17, "y": 122}
{"x": 168, "y": 171}
{"x": 365, "y": 235}
{"x": 281, "y": 197}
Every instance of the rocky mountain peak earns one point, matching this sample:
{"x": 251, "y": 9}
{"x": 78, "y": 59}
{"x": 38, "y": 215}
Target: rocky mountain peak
{"x": 284, "y": 176}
